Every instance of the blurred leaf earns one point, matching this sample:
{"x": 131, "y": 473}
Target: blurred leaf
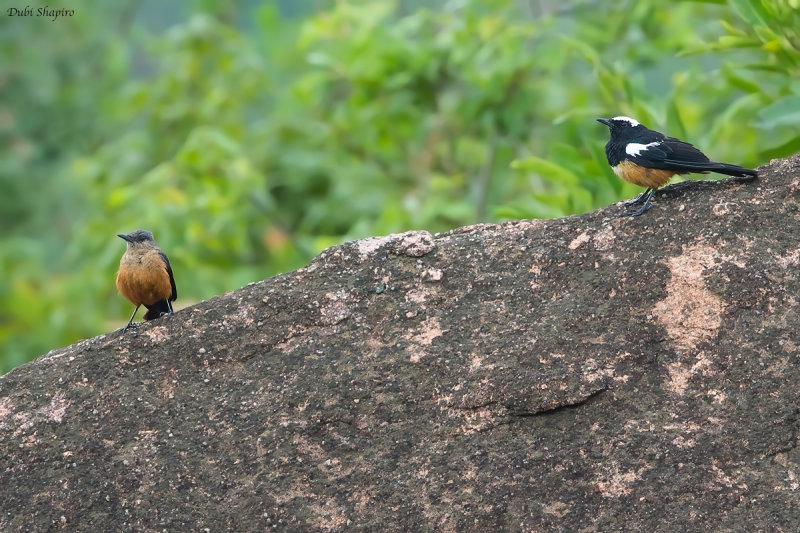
{"x": 765, "y": 67}
{"x": 546, "y": 169}
{"x": 738, "y": 81}
{"x": 785, "y": 111}
{"x": 790, "y": 147}
{"x": 730, "y": 28}
{"x": 674, "y": 123}
{"x": 736, "y": 41}
{"x": 587, "y": 51}
{"x": 750, "y": 11}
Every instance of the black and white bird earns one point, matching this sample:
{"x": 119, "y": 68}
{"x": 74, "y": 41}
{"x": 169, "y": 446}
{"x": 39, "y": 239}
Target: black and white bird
{"x": 649, "y": 159}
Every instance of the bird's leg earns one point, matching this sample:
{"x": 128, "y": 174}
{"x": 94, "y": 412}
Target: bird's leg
{"x": 169, "y": 305}
{"x": 647, "y": 205}
{"x": 130, "y": 322}
{"x": 639, "y": 199}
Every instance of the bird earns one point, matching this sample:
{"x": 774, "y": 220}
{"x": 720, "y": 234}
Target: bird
{"x": 648, "y": 158}
{"x": 145, "y": 276}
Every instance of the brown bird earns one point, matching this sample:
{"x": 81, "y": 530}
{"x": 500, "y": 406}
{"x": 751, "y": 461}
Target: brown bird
{"x": 145, "y": 276}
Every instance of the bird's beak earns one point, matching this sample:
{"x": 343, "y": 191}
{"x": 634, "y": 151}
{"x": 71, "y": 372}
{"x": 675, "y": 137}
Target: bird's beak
{"x": 124, "y": 237}
{"x": 606, "y": 121}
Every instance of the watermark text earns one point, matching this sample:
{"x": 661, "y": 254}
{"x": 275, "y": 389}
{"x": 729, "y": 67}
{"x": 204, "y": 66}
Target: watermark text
{"x": 47, "y": 11}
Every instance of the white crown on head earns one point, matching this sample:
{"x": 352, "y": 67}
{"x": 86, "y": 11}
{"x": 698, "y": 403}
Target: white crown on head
{"x": 632, "y": 121}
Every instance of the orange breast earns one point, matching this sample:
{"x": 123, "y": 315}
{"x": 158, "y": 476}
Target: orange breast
{"x": 143, "y": 278}
{"x": 641, "y": 176}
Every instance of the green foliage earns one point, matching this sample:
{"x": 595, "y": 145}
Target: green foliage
{"x": 767, "y": 38}
{"x": 247, "y": 149}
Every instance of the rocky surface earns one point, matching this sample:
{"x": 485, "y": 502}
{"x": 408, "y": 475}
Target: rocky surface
{"x": 589, "y": 373}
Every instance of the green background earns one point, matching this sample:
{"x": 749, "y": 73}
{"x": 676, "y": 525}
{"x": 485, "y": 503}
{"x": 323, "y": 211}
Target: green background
{"x": 249, "y": 136}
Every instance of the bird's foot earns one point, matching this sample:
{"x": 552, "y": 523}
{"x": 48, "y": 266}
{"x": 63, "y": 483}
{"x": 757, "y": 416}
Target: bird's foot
{"x": 131, "y": 325}
{"x": 644, "y": 208}
{"x": 642, "y": 198}
{"x": 635, "y": 201}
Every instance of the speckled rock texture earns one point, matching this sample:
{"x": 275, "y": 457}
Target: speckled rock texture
{"x": 584, "y": 374}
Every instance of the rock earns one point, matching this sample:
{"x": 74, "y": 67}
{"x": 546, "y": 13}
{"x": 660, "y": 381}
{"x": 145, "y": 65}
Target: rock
{"x": 589, "y": 373}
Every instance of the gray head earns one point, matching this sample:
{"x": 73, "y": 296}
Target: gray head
{"x": 140, "y": 236}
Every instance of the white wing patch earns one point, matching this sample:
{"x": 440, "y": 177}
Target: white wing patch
{"x": 637, "y": 148}
{"x": 631, "y": 121}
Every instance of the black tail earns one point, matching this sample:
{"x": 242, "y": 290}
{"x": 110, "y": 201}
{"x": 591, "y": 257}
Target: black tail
{"x": 157, "y": 310}
{"x": 724, "y": 168}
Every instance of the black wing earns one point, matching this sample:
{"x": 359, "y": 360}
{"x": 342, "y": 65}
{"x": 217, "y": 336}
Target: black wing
{"x": 174, "y": 295}
{"x": 672, "y": 154}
